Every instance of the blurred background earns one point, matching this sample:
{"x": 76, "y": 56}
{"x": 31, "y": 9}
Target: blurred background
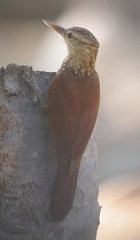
{"x": 24, "y": 39}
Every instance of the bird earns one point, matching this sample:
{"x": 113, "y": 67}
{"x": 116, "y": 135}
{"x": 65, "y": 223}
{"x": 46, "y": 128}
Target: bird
{"x": 72, "y": 106}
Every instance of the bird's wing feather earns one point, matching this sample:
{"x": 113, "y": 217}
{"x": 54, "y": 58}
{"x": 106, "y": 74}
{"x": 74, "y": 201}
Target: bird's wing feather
{"x": 72, "y": 110}
{"x": 71, "y": 117}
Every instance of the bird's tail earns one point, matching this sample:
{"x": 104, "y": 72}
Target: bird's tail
{"x": 64, "y": 191}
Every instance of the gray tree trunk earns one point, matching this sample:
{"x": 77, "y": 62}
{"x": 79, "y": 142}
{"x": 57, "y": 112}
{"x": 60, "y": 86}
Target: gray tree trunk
{"x": 27, "y": 167}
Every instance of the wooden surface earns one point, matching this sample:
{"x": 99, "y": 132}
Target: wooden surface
{"x": 27, "y": 167}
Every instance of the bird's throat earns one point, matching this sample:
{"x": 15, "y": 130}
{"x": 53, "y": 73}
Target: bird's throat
{"x": 82, "y": 64}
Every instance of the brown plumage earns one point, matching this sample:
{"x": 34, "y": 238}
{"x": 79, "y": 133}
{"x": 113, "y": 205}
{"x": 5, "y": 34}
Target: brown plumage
{"x": 72, "y": 107}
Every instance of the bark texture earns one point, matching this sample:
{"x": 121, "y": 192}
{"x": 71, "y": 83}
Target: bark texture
{"x": 27, "y": 167}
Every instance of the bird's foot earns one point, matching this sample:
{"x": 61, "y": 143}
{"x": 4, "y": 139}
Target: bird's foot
{"x": 29, "y": 78}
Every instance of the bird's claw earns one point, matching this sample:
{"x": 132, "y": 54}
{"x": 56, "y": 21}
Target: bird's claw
{"x": 32, "y": 82}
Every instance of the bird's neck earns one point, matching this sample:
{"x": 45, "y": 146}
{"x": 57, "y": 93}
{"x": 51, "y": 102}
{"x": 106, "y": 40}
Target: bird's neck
{"x": 82, "y": 63}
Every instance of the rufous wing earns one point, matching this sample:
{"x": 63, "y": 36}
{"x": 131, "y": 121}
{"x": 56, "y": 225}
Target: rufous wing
{"x": 72, "y": 110}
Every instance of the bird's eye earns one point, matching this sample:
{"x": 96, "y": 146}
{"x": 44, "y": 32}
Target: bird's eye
{"x": 69, "y": 35}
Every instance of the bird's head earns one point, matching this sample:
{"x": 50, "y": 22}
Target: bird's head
{"x": 82, "y": 47}
{"x": 76, "y": 38}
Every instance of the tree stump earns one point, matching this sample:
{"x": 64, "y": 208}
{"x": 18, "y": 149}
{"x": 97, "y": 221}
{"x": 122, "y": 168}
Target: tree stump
{"x": 27, "y": 167}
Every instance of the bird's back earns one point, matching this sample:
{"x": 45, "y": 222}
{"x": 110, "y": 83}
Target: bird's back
{"x": 72, "y": 108}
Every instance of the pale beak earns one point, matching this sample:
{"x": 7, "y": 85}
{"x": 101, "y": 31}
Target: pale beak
{"x": 55, "y": 27}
